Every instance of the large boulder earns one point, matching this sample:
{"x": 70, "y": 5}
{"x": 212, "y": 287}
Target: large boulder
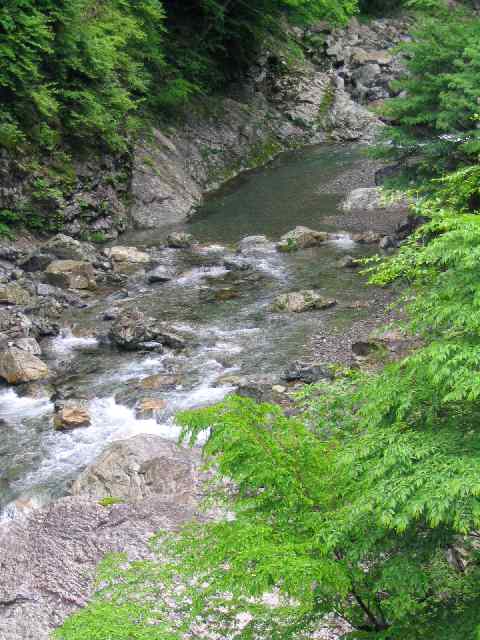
{"x": 134, "y": 330}
{"x": 301, "y": 238}
{"x": 141, "y": 467}
{"x": 64, "y": 247}
{"x": 160, "y": 274}
{"x": 180, "y": 240}
{"x": 14, "y": 324}
{"x": 18, "y": 365}
{"x": 299, "y": 301}
{"x": 371, "y": 199}
{"x": 71, "y": 274}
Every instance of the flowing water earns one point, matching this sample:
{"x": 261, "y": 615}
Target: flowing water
{"x": 236, "y": 336}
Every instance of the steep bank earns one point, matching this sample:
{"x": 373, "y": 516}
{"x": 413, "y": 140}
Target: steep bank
{"x": 284, "y": 103}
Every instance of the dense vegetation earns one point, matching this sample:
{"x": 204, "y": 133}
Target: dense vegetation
{"x": 80, "y": 71}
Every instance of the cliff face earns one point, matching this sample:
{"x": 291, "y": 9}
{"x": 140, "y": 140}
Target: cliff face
{"x": 323, "y": 95}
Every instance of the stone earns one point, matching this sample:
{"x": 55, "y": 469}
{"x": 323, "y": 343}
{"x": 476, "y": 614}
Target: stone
{"x": 367, "y": 237}
{"x": 30, "y": 345}
{"x": 371, "y": 199}
{"x": 160, "y": 274}
{"x": 168, "y": 337}
{"x": 307, "y": 372}
{"x": 128, "y": 254}
{"x": 149, "y": 408}
{"x": 160, "y": 381}
{"x": 17, "y": 366}
{"x": 299, "y": 301}
{"x": 237, "y": 264}
{"x": 141, "y": 467}
{"x": 132, "y": 329}
{"x": 349, "y": 262}
{"x": 365, "y": 348}
{"x": 180, "y": 240}
{"x": 71, "y": 274}
{"x": 301, "y": 238}
{"x": 362, "y": 57}
{"x": 387, "y": 242}
{"x": 367, "y": 74}
{"x": 64, "y": 247}
{"x": 36, "y": 261}
{"x": 71, "y": 415}
{"x": 14, "y": 294}
{"x": 14, "y": 324}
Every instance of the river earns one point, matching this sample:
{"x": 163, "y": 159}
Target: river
{"x": 225, "y": 315}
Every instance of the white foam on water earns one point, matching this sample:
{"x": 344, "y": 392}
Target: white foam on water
{"x": 199, "y": 273}
{"x": 15, "y": 409}
{"x": 343, "y": 240}
{"x": 66, "y": 343}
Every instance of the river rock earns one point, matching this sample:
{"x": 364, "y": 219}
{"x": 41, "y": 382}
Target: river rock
{"x": 141, "y": 467}
{"x": 71, "y": 415}
{"x": 149, "y": 408}
{"x": 301, "y": 238}
{"x": 14, "y": 294}
{"x": 307, "y": 372}
{"x": 71, "y": 274}
{"x": 64, "y": 247}
{"x": 349, "y": 262}
{"x": 160, "y": 274}
{"x": 30, "y": 345}
{"x": 371, "y": 199}
{"x": 367, "y": 237}
{"x": 132, "y": 330}
{"x": 299, "y": 301}
{"x": 14, "y": 324}
{"x": 160, "y": 381}
{"x": 180, "y": 240}
{"x": 17, "y": 366}
{"x": 254, "y": 244}
{"x": 237, "y": 264}
{"x": 37, "y": 260}
{"x": 121, "y": 254}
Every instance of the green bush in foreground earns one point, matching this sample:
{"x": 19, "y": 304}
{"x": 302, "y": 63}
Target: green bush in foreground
{"x": 367, "y": 506}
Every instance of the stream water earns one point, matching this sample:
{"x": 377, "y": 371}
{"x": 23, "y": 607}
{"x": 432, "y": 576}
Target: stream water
{"x": 236, "y": 336}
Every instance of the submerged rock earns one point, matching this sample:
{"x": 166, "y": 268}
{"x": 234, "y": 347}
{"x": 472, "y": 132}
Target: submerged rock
{"x": 371, "y": 199}
{"x": 140, "y": 467}
{"x": 301, "y": 238}
{"x": 299, "y": 301}
{"x": 180, "y": 240}
{"x": 17, "y": 366}
{"x": 149, "y": 408}
{"x": 160, "y": 274}
{"x": 71, "y": 274}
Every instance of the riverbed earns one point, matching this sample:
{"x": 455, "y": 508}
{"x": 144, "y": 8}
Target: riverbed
{"x": 224, "y": 314}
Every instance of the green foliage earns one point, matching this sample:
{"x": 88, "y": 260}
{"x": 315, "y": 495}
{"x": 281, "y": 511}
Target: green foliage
{"x": 367, "y": 505}
{"x": 435, "y": 123}
{"x": 110, "y": 501}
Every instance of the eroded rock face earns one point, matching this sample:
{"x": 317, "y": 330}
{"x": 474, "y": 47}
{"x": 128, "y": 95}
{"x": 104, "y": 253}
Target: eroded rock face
{"x": 141, "y": 467}
{"x": 71, "y": 274}
{"x": 17, "y": 366}
{"x": 300, "y": 301}
{"x": 301, "y": 238}
{"x": 49, "y": 559}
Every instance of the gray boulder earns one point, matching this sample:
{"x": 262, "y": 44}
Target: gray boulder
{"x": 160, "y": 274}
{"x": 180, "y": 240}
{"x": 18, "y": 365}
{"x": 64, "y": 247}
{"x": 71, "y": 274}
{"x": 142, "y": 467}
{"x": 307, "y": 372}
{"x": 301, "y": 238}
{"x": 300, "y": 301}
